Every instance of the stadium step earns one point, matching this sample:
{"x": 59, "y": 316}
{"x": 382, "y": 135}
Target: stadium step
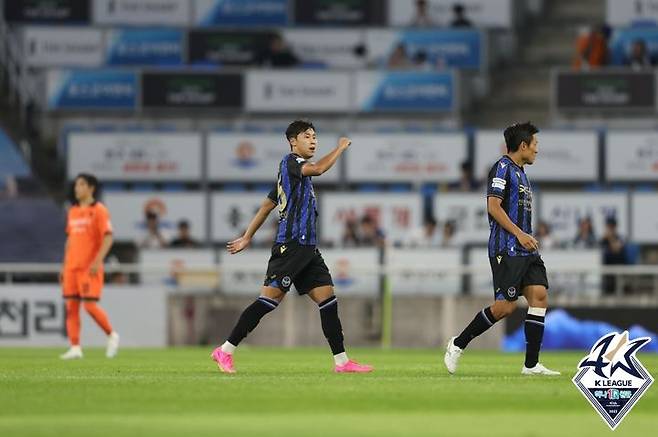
{"x": 524, "y": 93}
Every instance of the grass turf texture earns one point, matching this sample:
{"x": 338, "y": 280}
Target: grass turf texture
{"x": 180, "y": 392}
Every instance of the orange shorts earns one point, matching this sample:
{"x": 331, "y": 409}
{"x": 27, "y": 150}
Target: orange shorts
{"x": 82, "y": 285}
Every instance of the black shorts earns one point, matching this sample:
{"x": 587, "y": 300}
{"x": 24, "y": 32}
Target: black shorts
{"x": 511, "y": 274}
{"x": 293, "y": 263}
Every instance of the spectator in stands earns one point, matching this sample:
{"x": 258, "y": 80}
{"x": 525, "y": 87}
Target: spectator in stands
{"x": 448, "y": 238}
{"x": 585, "y": 238}
{"x": 370, "y": 233}
{"x": 154, "y": 238}
{"x": 115, "y": 274}
{"x": 544, "y": 237}
{"x": 426, "y": 236}
{"x": 639, "y": 58}
{"x": 614, "y": 253}
{"x": 184, "y": 238}
{"x": 466, "y": 182}
{"x": 422, "y": 16}
{"x": 278, "y": 54}
{"x": 399, "y": 59}
{"x": 592, "y": 48}
{"x": 460, "y": 19}
{"x": 421, "y": 62}
{"x": 350, "y": 236}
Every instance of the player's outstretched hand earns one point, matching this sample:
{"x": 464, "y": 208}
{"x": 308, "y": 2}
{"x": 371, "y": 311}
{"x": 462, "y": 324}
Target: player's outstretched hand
{"x": 237, "y": 245}
{"x": 344, "y": 143}
{"x": 528, "y": 241}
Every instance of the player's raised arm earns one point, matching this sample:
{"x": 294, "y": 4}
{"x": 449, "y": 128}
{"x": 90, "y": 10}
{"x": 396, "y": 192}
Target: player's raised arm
{"x": 327, "y": 161}
{"x": 242, "y": 242}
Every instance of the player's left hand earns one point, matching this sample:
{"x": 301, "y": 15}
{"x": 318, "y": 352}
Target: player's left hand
{"x": 95, "y": 267}
{"x": 237, "y": 245}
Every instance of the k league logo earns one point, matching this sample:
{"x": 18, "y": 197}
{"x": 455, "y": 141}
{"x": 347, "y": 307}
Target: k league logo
{"x": 612, "y": 378}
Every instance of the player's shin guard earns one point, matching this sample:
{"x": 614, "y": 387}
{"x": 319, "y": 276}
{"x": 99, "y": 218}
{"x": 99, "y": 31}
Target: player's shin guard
{"x": 73, "y": 321}
{"x": 99, "y": 315}
{"x": 331, "y": 326}
{"x": 480, "y": 323}
{"x": 534, "y": 332}
{"x": 250, "y": 318}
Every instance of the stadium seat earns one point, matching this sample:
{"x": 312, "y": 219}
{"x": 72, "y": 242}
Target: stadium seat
{"x": 143, "y": 186}
{"x": 400, "y": 188}
{"x": 234, "y": 187}
{"x": 632, "y": 251}
{"x": 173, "y": 186}
{"x": 369, "y": 188}
{"x": 114, "y": 186}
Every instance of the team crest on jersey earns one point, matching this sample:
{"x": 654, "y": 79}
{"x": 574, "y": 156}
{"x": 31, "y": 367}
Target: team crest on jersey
{"x": 511, "y": 292}
{"x": 611, "y": 377}
{"x": 286, "y": 281}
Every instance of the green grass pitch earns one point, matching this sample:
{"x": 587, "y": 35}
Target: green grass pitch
{"x": 282, "y": 392}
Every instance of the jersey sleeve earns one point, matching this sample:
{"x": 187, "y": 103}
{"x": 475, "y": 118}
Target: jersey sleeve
{"x": 103, "y": 221}
{"x": 498, "y": 180}
{"x": 273, "y": 196}
{"x": 295, "y": 164}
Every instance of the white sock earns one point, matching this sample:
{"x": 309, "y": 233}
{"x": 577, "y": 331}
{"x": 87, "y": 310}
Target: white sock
{"x": 341, "y": 359}
{"x": 76, "y": 348}
{"x": 228, "y": 348}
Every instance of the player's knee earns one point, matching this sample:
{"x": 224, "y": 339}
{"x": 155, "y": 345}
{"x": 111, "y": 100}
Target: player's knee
{"x": 502, "y": 309}
{"x": 89, "y": 306}
{"x": 273, "y": 293}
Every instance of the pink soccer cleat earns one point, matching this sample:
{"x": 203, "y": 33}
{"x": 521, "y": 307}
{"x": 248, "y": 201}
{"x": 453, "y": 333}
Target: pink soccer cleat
{"x": 353, "y": 367}
{"x": 224, "y": 361}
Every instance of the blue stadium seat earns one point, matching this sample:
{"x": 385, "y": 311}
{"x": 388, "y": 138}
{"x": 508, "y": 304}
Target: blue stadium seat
{"x": 264, "y": 187}
{"x": 632, "y": 251}
{"x": 619, "y": 188}
{"x": 114, "y": 186}
{"x": 593, "y": 187}
{"x": 144, "y": 186}
{"x": 173, "y": 186}
{"x": 428, "y": 189}
{"x": 400, "y": 188}
{"x": 645, "y": 188}
{"x": 234, "y": 187}
{"x": 369, "y": 188}
{"x": 643, "y": 22}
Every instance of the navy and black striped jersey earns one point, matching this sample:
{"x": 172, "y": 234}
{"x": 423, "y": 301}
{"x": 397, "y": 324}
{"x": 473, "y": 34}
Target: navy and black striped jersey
{"x": 509, "y": 182}
{"x": 296, "y": 203}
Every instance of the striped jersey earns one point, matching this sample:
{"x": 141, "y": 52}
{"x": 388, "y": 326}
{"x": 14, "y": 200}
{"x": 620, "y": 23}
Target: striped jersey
{"x": 296, "y": 203}
{"x": 509, "y": 182}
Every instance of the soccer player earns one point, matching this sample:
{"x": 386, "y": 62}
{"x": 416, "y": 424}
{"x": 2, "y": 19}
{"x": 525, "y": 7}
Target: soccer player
{"x": 89, "y": 238}
{"x": 513, "y": 252}
{"x": 295, "y": 258}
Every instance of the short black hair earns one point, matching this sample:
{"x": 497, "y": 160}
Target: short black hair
{"x": 297, "y": 127}
{"x": 519, "y": 133}
{"x": 90, "y": 179}
{"x": 184, "y": 224}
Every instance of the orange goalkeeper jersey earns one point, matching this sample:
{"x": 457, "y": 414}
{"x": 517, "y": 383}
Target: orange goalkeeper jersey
{"x": 85, "y": 226}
